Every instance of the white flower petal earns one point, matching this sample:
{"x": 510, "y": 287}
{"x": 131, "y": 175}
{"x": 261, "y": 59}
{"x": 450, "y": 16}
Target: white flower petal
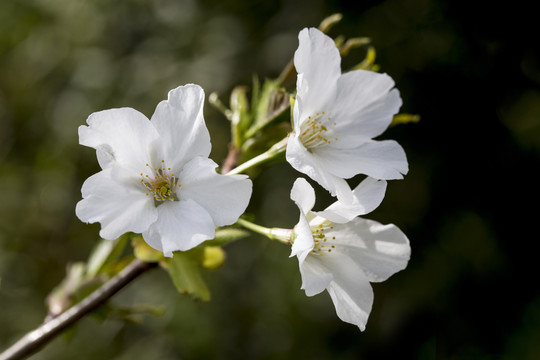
{"x": 303, "y": 241}
{"x": 297, "y": 113}
{"x": 359, "y": 88}
{"x": 181, "y": 225}
{"x": 303, "y": 195}
{"x": 119, "y": 135}
{"x": 367, "y": 121}
{"x": 224, "y": 197}
{"x": 105, "y": 155}
{"x": 351, "y": 294}
{"x": 315, "y": 276}
{"x": 379, "y": 250}
{"x": 384, "y": 160}
{"x": 318, "y": 62}
{"x": 367, "y": 196}
{"x": 119, "y": 207}
{"x": 180, "y": 123}
{"x": 364, "y": 105}
{"x": 304, "y": 161}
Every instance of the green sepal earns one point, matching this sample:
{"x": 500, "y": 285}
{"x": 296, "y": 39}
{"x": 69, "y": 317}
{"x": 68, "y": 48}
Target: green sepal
{"x": 184, "y": 269}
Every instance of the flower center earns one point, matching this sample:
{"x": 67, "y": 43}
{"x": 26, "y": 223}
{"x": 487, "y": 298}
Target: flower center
{"x": 160, "y": 183}
{"x": 323, "y": 244}
{"x": 314, "y": 131}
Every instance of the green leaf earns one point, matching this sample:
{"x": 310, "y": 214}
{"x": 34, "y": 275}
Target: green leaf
{"x": 185, "y": 274}
{"x": 240, "y": 115}
{"x": 75, "y": 286}
{"x": 132, "y": 314}
{"x": 69, "y": 334}
{"x": 271, "y": 103}
{"x": 115, "y": 267}
{"x": 263, "y": 142}
{"x": 104, "y": 253}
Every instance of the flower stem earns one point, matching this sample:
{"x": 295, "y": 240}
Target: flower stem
{"x": 277, "y": 149}
{"x": 282, "y": 235}
{"x": 37, "y": 338}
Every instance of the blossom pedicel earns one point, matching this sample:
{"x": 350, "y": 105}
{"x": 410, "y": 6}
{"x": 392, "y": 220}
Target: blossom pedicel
{"x": 342, "y": 253}
{"x": 156, "y": 178}
{"x": 336, "y": 116}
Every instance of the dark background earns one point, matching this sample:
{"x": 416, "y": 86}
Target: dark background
{"x": 468, "y": 205}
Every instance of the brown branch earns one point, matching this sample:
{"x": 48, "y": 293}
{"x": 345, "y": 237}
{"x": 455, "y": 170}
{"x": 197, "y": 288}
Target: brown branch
{"x": 231, "y": 160}
{"x": 35, "y": 339}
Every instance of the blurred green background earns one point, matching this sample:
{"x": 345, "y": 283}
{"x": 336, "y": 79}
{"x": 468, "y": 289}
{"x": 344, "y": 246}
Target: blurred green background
{"x": 470, "y": 69}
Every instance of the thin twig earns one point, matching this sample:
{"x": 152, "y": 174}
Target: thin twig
{"x": 35, "y": 339}
{"x": 231, "y": 160}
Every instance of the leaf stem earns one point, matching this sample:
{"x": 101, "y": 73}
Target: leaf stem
{"x": 277, "y": 149}
{"x": 34, "y": 340}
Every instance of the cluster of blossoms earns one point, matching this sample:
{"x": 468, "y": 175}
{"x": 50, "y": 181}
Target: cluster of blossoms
{"x": 156, "y": 178}
{"x": 335, "y": 117}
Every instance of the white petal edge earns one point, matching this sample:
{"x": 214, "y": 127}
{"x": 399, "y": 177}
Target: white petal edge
{"x": 385, "y": 160}
{"x": 297, "y": 112}
{"x": 379, "y": 250}
{"x": 303, "y": 241}
{"x": 367, "y": 196}
{"x": 304, "y": 162}
{"x": 365, "y": 99}
{"x": 121, "y": 135}
{"x": 119, "y": 207}
{"x": 355, "y": 126}
{"x": 352, "y": 296}
{"x": 181, "y": 225}
{"x": 315, "y": 277}
{"x": 318, "y": 63}
{"x": 303, "y": 195}
{"x": 180, "y": 123}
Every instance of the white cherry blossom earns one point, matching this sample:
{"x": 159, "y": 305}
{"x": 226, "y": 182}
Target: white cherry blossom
{"x": 156, "y": 177}
{"x": 342, "y": 253}
{"x": 336, "y": 116}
